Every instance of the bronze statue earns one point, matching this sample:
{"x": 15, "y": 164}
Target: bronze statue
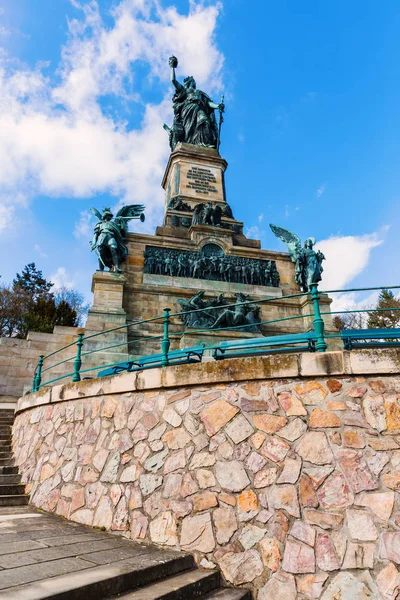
{"x": 194, "y": 118}
{"x": 308, "y": 262}
{"x": 109, "y": 240}
{"x": 198, "y": 314}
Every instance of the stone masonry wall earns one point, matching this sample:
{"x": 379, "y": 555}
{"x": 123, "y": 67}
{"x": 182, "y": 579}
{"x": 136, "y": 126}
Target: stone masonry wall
{"x": 289, "y": 485}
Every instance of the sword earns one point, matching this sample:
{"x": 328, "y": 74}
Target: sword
{"x": 221, "y": 120}
{"x": 95, "y": 249}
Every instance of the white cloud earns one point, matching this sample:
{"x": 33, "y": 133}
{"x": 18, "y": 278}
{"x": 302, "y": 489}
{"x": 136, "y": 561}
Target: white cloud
{"x": 61, "y": 278}
{"x": 7, "y": 217}
{"x": 260, "y": 218}
{"x": 253, "y": 232}
{"x": 346, "y": 257}
{"x": 84, "y": 227}
{"x": 320, "y": 190}
{"x": 39, "y": 250}
{"x": 57, "y": 141}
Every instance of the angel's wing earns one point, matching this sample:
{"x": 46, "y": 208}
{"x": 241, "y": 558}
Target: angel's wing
{"x": 97, "y": 214}
{"x": 289, "y": 238}
{"x": 133, "y": 211}
{"x": 197, "y": 210}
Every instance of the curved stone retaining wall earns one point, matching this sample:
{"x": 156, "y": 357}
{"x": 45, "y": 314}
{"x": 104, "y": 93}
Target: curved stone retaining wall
{"x": 284, "y": 472}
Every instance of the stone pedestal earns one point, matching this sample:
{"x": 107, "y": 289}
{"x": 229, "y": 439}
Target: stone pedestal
{"x": 195, "y": 174}
{"x": 106, "y": 313}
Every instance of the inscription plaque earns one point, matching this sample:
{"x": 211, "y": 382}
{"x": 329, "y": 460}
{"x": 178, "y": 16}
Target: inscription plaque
{"x": 201, "y": 180}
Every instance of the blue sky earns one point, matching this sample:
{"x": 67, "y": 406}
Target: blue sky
{"x": 312, "y": 129}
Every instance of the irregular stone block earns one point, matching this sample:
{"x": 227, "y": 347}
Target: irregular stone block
{"x": 281, "y": 586}
{"x": 239, "y": 429}
{"x": 292, "y": 406}
{"x": 381, "y": 503}
{"x": 284, "y": 496}
{"x": 356, "y": 470}
{"x": 312, "y": 392}
{"x": 335, "y": 493}
{"x": 303, "y": 532}
{"x": 311, "y": 585}
{"x": 308, "y": 497}
{"x": 327, "y": 558}
{"x": 293, "y": 430}
{"x": 231, "y": 475}
{"x": 247, "y": 501}
{"x": 265, "y": 478}
{"x": 269, "y": 423}
{"x": 291, "y": 471}
{"x": 374, "y": 411}
{"x": 225, "y": 524}
{"x": 361, "y": 525}
{"x": 217, "y": 416}
{"x": 390, "y": 546}
{"x": 298, "y": 558}
{"x": 163, "y": 530}
{"x": 314, "y": 448}
{"x": 348, "y": 587}
{"x": 241, "y": 567}
{"x": 359, "y": 556}
{"x": 275, "y": 449}
{"x": 323, "y": 519}
{"x": 270, "y": 553}
{"x": 197, "y": 533}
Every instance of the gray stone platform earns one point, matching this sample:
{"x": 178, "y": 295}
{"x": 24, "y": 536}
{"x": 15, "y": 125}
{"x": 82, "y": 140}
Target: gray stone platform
{"x": 43, "y": 556}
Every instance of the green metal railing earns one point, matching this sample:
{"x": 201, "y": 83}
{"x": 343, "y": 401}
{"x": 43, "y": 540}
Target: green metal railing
{"x": 314, "y": 298}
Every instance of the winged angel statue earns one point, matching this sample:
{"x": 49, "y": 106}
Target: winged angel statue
{"x": 308, "y": 262}
{"x": 109, "y": 240}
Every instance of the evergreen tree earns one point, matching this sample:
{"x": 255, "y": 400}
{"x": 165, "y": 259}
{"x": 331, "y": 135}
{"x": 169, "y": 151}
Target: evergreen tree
{"x": 386, "y": 318}
{"x": 29, "y": 305}
{"x": 45, "y": 315}
{"x": 32, "y": 282}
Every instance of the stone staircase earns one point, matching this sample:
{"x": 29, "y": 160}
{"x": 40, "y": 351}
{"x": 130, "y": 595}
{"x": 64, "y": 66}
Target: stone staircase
{"x": 105, "y": 567}
{"x": 12, "y": 491}
{"x": 44, "y": 557}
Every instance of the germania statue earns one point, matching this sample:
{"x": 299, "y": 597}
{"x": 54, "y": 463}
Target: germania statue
{"x": 109, "y": 240}
{"x": 308, "y": 262}
{"x": 194, "y": 117}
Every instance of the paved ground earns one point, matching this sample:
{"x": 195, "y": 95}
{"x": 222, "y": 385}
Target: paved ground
{"x": 35, "y": 547}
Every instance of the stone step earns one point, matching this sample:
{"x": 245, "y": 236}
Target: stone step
{"x": 19, "y": 500}
{"x": 6, "y": 462}
{"x": 6, "y": 420}
{"x": 10, "y": 479}
{"x": 105, "y": 581}
{"x": 192, "y": 584}
{"x": 12, "y": 489}
{"x": 4, "y": 442}
{"x": 5, "y": 451}
{"x": 8, "y": 470}
{"x": 229, "y": 594}
{"x": 5, "y": 455}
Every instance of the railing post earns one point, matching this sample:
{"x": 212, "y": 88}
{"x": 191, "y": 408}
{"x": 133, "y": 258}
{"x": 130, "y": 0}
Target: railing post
{"x": 318, "y": 320}
{"x": 165, "y": 344}
{"x": 78, "y": 360}
{"x": 37, "y": 380}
